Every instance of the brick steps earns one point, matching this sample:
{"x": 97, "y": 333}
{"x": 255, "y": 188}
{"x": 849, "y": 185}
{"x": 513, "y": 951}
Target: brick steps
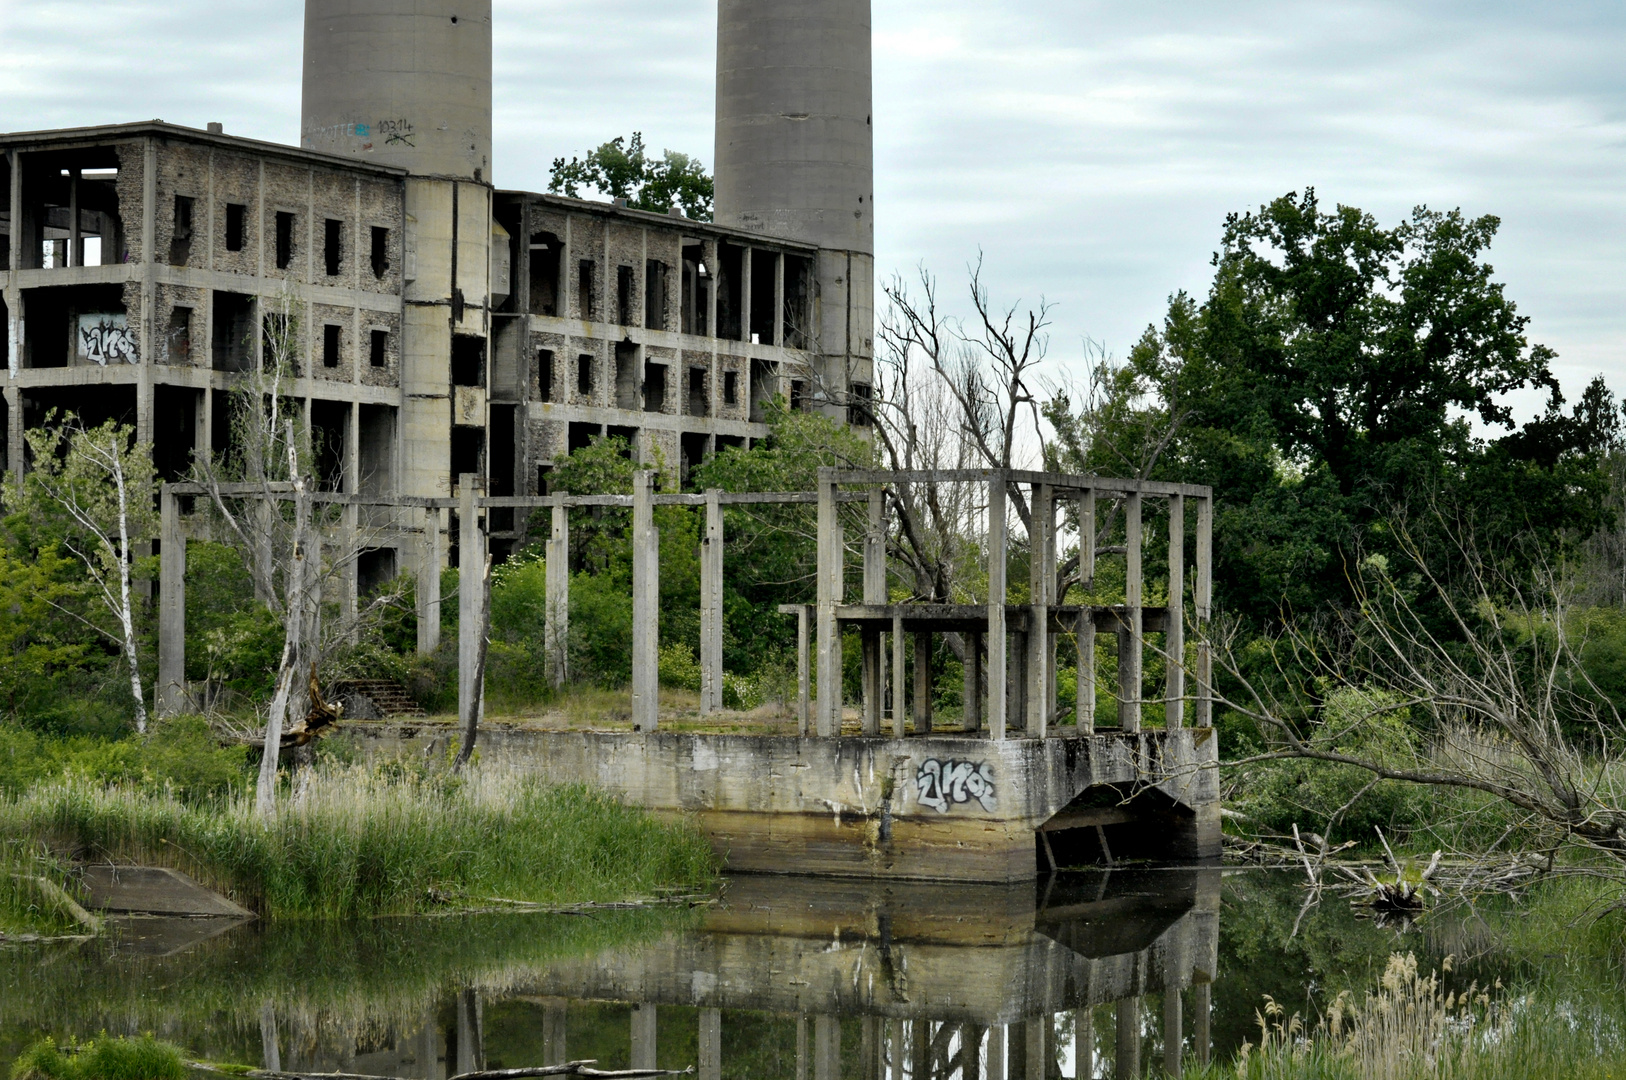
{"x": 388, "y": 699}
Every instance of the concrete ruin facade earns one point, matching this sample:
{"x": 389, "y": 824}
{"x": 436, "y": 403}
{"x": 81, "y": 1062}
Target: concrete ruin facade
{"x": 451, "y": 327}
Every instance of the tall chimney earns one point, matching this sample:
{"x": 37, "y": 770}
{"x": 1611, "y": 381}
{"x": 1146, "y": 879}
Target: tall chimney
{"x": 795, "y": 149}
{"x": 400, "y": 82}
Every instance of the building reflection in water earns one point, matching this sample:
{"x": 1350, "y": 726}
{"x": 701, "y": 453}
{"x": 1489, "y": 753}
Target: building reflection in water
{"x": 1097, "y": 974}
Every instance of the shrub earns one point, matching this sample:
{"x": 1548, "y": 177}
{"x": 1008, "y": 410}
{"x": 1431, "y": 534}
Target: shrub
{"x": 679, "y": 668}
{"x": 103, "y": 1058}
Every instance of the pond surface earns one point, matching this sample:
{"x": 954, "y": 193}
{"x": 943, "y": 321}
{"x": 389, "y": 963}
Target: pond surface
{"x": 1101, "y": 974}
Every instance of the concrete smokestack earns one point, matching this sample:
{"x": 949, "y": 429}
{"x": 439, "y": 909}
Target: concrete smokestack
{"x": 795, "y": 150}
{"x": 400, "y": 82}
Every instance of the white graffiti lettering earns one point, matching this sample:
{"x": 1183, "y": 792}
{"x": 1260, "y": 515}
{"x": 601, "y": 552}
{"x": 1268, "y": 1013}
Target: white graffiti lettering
{"x": 106, "y": 339}
{"x": 944, "y": 783}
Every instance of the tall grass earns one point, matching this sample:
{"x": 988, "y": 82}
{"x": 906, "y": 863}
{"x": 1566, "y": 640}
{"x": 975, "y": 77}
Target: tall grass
{"x": 362, "y": 842}
{"x": 26, "y": 907}
{"x": 1414, "y": 1027}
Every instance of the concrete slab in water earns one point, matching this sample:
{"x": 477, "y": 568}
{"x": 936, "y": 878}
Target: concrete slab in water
{"x": 154, "y": 890}
{"x": 166, "y": 935}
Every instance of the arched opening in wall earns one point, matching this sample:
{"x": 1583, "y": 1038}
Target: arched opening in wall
{"x": 1108, "y": 824}
{"x": 545, "y": 250}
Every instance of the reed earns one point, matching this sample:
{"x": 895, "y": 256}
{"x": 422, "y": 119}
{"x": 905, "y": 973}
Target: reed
{"x": 359, "y": 842}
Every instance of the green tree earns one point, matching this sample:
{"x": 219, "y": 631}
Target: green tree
{"x": 93, "y": 490}
{"x": 623, "y": 170}
{"x": 1325, "y": 388}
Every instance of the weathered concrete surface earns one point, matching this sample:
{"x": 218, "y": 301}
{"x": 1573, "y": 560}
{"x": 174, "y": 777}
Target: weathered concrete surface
{"x": 940, "y": 808}
{"x": 959, "y": 953}
{"x": 154, "y": 890}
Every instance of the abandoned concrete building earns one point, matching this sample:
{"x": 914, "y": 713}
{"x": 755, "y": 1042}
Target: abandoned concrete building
{"x": 449, "y": 327}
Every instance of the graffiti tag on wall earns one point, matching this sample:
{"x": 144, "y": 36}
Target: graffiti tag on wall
{"x": 106, "y": 339}
{"x": 942, "y": 784}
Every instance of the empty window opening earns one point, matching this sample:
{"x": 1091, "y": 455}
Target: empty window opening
{"x": 236, "y": 213}
{"x": 178, "y": 342}
{"x": 375, "y": 568}
{"x": 731, "y": 388}
{"x": 544, "y": 374}
{"x": 468, "y": 360}
{"x": 279, "y": 345}
{"x": 586, "y": 303}
{"x": 331, "y": 341}
{"x": 581, "y": 436}
{"x": 623, "y": 295}
{"x": 70, "y": 215}
{"x": 545, "y": 249}
{"x": 798, "y": 395}
{"x": 654, "y": 388}
{"x": 860, "y": 402}
{"x": 584, "y": 375}
{"x": 180, "y": 236}
{"x": 330, "y": 422}
{"x": 333, "y": 246}
{"x": 81, "y": 325}
{"x": 691, "y": 452}
{"x": 628, "y": 439}
{"x": 381, "y": 251}
{"x": 542, "y": 472}
{"x": 764, "y": 382}
{"x": 627, "y": 376}
{"x": 694, "y": 284}
{"x": 654, "y": 295}
{"x": 699, "y": 404}
{"x": 285, "y": 239}
{"x": 500, "y": 475}
{"x": 764, "y": 330}
{"x": 376, "y": 444}
{"x": 378, "y": 344}
{"x": 730, "y": 261}
{"x": 175, "y": 414}
{"x": 232, "y": 345}
{"x": 468, "y": 451}
{"x": 797, "y": 315}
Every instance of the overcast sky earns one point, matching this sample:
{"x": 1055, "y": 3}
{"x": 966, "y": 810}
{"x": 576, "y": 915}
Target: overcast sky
{"x": 1090, "y": 150}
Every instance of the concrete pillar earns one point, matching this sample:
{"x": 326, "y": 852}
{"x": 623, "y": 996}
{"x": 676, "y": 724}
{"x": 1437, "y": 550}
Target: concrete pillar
{"x": 829, "y": 587}
{"x": 711, "y": 1044}
{"x": 470, "y": 1034}
{"x": 556, "y": 613}
{"x": 923, "y": 680}
{"x": 971, "y": 711}
{"x": 801, "y": 1048}
{"x": 1017, "y": 683}
{"x": 1201, "y": 1001}
{"x": 554, "y": 1050}
{"x": 643, "y": 1036}
{"x": 869, "y": 1048}
{"x": 1041, "y": 655}
{"x": 804, "y": 673}
{"x": 899, "y": 705}
{"x": 429, "y": 584}
{"x": 1175, "y": 639}
{"x": 874, "y": 594}
{"x": 1084, "y": 631}
{"x": 1084, "y": 1043}
{"x": 471, "y": 566}
{"x": 711, "y": 606}
{"x": 1127, "y": 1061}
{"x": 171, "y": 692}
{"x": 996, "y": 1053}
{"x": 270, "y": 1053}
{"x": 1173, "y": 1036}
{"x": 826, "y": 1048}
{"x": 646, "y": 605}
{"x": 996, "y": 605}
{"x": 1129, "y": 662}
{"x": 1204, "y": 600}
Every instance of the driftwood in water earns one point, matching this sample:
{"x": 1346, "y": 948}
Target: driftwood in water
{"x": 570, "y": 1068}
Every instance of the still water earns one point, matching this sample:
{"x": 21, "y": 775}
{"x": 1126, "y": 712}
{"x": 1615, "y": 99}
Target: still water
{"x": 1130, "y": 972}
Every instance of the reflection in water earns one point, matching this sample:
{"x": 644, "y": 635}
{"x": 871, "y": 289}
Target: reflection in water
{"x": 1097, "y": 974}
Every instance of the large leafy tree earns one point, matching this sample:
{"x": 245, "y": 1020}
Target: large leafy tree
{"x": 624, "y": 170}
{"x": 1331, "y": 383}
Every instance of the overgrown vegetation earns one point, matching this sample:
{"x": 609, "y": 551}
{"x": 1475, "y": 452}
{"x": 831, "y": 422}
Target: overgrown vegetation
{"x": 103, "y": 1058}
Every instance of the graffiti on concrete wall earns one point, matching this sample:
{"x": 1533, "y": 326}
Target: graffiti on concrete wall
{"x": 106, "y": 339}
{"x": 943, "y": 784}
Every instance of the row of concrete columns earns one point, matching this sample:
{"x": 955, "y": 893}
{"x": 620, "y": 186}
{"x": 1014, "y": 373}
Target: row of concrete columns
{"x": 1020, "y": 668}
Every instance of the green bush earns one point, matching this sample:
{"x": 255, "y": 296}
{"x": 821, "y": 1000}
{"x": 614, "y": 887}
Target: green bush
{"x": 179, "y": 754}
{"x": 103, "y": 1058}
{"x": 678, "y": 667}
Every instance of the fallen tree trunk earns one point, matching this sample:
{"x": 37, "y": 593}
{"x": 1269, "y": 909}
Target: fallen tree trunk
{"x": 569, "y": 1068}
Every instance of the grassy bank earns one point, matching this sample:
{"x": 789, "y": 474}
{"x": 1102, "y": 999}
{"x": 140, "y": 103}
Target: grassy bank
{"x": 364, "y": 842}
